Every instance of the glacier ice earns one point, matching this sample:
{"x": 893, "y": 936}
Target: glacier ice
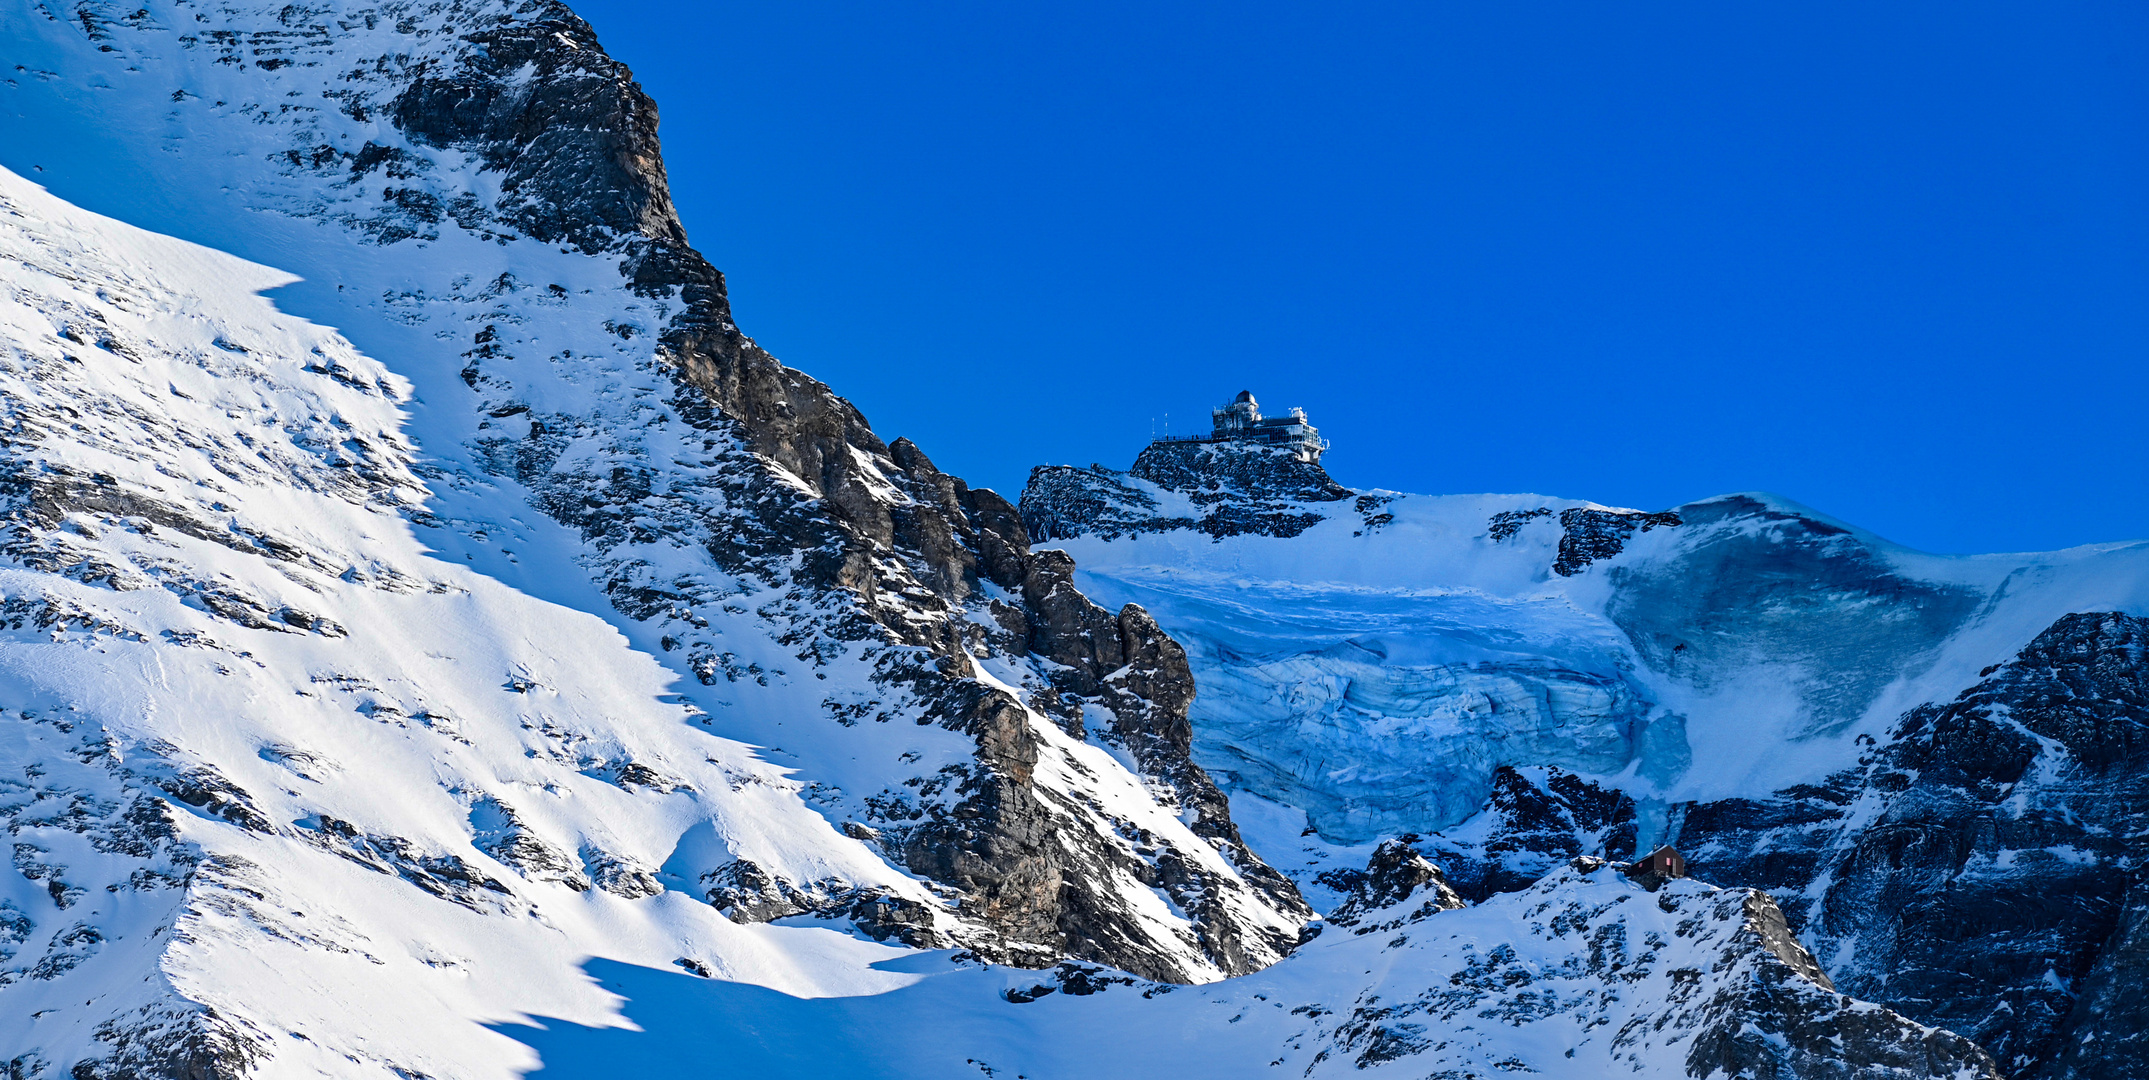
{"x": 1370, "y": 748}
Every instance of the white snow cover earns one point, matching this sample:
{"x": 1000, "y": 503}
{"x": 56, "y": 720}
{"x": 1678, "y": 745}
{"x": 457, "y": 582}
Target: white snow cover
{"x": 320, "y": 744}
{"x": 1583, "y": 975}
{"x": 430, "y": 703}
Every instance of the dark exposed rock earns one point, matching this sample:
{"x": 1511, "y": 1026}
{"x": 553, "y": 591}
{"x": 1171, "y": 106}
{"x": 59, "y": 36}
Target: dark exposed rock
{"x": 1540, "y": 819}
{"x": 2107, "y": 1033}
{"x": 1505, "y": 524}
{"x": 1586, "y": 535}
{"x": 1235, "y": 489}
{"x": 502, "y": 834}
{"x": 574, "y": 142}
{"x": 1981, "y": 897}
{"x": 1988, "y": 884}
{"x": 1709, "y": 976}
{"x": 449, "y": 877}
{"x": 618, "y": 876}
{"x": 1140, "y": 675}
{"x": 995, "y": 843}
{"x": 1397, "y": 871}
{"x": 1063, "y": 501}
{"x": 170, "y": 1042}
{"x": 1976, "y": 870}
{"x": 203, "y": 788}
{"x": 1250, "y": 471}
{"x": 1767, "y": 922}
{"x": 865, "y": 550}
{"x": 1591, "y": 535}
{"x": 746, "y": 893}
{"x": 1781, "y": 1024}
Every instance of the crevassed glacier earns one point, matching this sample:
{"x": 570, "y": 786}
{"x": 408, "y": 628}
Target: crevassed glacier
{"x": 1369, "y": 749}
{"x": 1378, "y": 667}
{"x": 1386, "y": 712}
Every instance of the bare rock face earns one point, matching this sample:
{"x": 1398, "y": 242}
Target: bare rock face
{"x": 177, "y": 1043}
{"x": 1590, "y": 535}
{"x": 1396, "y": 872}
{"x": 1136, "y": 674}
{"x": 574, "y": 144}
{"x": 2107, "y": 1031}
{"x": 1222, "y": 489}
{"x": 1538, "y": 820}
{"x": 1586, "y": 535}
{"x": 1976, "y": 871}
{"x": 1782, "y": 1022}
{"x": 1035, "y": 799}
{"x": 1591, "y": 975}
{"x": 1985, "y": 894}
{"x": 1215, "y": 472}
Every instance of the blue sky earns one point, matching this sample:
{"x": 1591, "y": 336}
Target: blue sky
{"x": 1888, "y": 260}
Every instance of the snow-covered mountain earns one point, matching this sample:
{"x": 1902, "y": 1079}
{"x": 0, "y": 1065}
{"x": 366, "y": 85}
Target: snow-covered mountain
{"x": 1935, "y": 763}
{"x": 439, "y": 643}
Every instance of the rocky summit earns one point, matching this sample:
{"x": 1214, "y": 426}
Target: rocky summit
{"x": 436, "y": 641}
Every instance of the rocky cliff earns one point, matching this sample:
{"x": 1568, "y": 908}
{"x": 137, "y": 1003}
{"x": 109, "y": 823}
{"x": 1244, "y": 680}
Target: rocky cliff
{"x": 1978, "y": 869}
{"x": 990, "y": 761}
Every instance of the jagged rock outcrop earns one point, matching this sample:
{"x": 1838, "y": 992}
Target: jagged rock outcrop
{"x": 1587, "y": 535}
{"x": 587, "y": 628}
{"x": 1535, "y": 820}
{"x": 1777, "y": 1024}
{"x": 807, "y": 500}
{"x": 2107, "y": 1031}
{"x": 1139, "y": 677}
{"x": 1997, "y": 871}
{"x": 1397, "y": 871}
{"x": 1591, "y": 535}
{"x": 1219, "y": 488}
{"x": 569, "y": 134}
{"x": 1976, "y": 870}
{"x": 1706, "y": 977}
{"x": 1214, "y": 471}
{"x": 1065, "y": 501}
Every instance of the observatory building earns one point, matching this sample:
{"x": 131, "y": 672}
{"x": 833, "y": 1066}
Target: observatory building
{"x": 1240, "y": 421}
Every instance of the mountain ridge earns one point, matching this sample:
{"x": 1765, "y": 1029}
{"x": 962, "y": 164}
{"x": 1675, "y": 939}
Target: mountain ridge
{"x": 371, "y": 685}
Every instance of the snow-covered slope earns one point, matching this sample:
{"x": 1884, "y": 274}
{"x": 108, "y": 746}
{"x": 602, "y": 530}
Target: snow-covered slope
{"x": 1533, "y": 678}
{"x": 583, "y": 538}
{"x": 478, "y": 627}
{"x": 269, "y": 749}
{"x": 1585, "y": 974}
{"x": 474, "y": 191}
